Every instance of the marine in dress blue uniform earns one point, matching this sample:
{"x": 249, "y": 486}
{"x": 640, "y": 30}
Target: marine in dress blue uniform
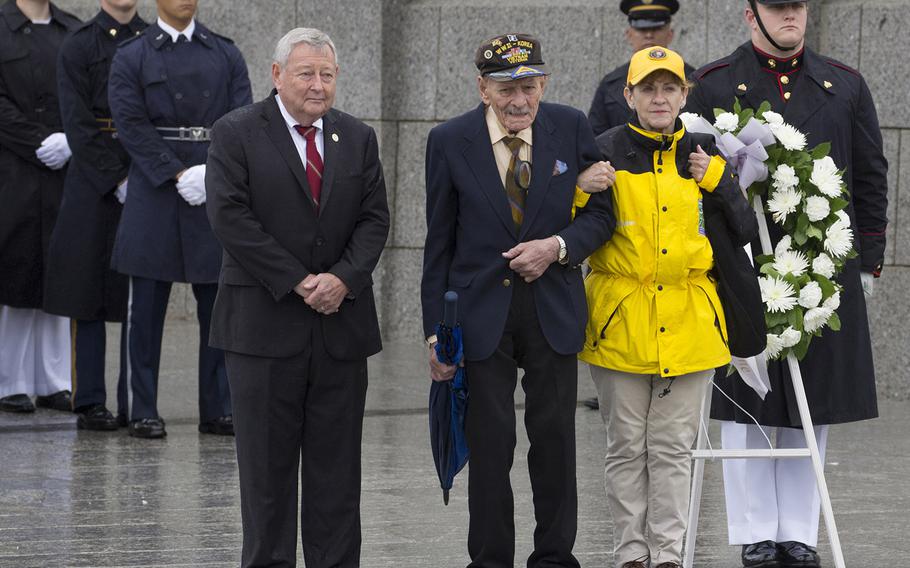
{"x": 80, "y": 283}
{"x": 166, "y": 90}
{"x": 773, "y": 508}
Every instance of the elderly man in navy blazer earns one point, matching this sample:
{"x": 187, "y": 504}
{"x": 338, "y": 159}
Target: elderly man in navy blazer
{"x": 501, "y": 192}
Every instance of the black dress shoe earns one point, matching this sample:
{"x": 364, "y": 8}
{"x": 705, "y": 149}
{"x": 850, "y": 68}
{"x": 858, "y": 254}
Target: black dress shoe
{"x": 794, "y": 554}
{"x": 591, "y": 403}
{"x": 122, "y": 421}
{"x": 61, "y": 401}
{"x": 223, "y": 426}
{"x": 761, "y": 555}
{"x": 147, "y": 428}
{"x": 16, "y": 403}
{"x": 95, "y": 417}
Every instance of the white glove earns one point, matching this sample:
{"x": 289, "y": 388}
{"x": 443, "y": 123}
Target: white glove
{"x": 120, "y": 192}
{"x": 868, "y": 282}
{"x": 54, "y": 151}
{"x": 191, "y": 185}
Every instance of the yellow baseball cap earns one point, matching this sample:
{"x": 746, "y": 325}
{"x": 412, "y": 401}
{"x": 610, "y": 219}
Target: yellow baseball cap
{"x": 653, "y": 59}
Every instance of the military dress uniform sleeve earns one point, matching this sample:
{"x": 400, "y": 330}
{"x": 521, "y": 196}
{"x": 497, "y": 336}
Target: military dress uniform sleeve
{"x": 241, "y": 92}
{"x": 136, "y": 131}
{"x": 597, "y": 115}
{"x": 233, "y": 221}
{"x": 870, "y": 183}
{"x": 82, "y": 131}
{"x": 361, "y": 254}
{"x": 17, "y": 133}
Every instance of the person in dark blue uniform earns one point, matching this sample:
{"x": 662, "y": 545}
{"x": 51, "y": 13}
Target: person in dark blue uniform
{"x": 34, "y": 345}
{"x": 649, "y": 26}
{"x": 773, "y": 507}
{"x": 80, "y": 283}
{"x": 167, "y": 87}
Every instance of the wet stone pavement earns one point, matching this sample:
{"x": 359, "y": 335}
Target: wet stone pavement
{"x": 71, "y": 498}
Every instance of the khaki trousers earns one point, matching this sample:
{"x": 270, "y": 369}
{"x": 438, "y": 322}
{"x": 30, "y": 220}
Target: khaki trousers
{"x": 651, "y": 426}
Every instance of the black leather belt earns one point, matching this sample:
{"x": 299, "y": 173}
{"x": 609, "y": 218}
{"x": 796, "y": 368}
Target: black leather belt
{"x": 185, "y": 133}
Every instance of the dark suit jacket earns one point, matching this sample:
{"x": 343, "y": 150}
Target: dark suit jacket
{"x": 469, "y": 226}
{"x": 261, "y": 210}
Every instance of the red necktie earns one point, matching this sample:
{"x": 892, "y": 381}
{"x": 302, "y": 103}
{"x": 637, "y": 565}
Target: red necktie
{"x": 313, "y": 162}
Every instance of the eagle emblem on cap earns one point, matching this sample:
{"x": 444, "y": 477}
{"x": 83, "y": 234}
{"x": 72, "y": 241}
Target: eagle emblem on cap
{"x": 496, "y": 42}
{"x": 657, "y": 53}
{"x": 488, "y": 54}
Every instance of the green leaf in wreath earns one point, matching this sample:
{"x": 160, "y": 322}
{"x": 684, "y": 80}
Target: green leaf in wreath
{"x": 764, "y": 107}
{"x": 837, "y": 204}
{"x": 768, "y": 269}
{"x": 795, "y": 319}
{"x": 821, "y": 151}
{"x": 834, "y": 322}
{"x": 718, "y": 112}
{"x": 737, "y": 108}
{"x": 826, "y": 285}
{"x": 801, "y": 348}
{"x": 745, "y": 116}
{"x": 799, "y": 237}
{"x": 815, "y": 233}
{"x": 802, "y": 222}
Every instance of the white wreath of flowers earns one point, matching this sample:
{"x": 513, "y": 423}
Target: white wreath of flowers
{"x": 804, "y": 193}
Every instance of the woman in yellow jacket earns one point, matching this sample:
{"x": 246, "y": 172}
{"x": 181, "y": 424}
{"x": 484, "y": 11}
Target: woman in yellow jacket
{"x": 656, "y": 329}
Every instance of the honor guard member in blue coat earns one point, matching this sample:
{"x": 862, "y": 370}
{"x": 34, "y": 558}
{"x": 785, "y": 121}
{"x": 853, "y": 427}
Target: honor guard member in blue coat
{"x": 80, "y": 283}
{"x": 649, "y": 26}
{"x": 773, "y": 507}
{"x": 167, "y": 87}
{"x": 34, "y": 346}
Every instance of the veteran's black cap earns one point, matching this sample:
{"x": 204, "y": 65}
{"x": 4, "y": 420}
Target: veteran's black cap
{"x": 510, "y": 56}
{"x": 646, "y": 14}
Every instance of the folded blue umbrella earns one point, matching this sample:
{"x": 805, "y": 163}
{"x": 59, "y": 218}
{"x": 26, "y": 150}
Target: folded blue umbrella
{"x": 449, "y": 402}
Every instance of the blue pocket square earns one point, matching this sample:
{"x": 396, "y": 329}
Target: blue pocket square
{"x": 559, "y": 167}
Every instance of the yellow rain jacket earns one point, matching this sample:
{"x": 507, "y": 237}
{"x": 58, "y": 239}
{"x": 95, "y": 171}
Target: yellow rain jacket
{"x": 653, "y": 305}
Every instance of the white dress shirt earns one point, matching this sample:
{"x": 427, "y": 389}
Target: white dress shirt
{"x": 171, "y": 31}
{"x": 299, "y": 140}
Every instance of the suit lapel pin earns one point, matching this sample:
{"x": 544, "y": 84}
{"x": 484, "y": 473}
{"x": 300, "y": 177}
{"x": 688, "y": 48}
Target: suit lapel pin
{"x": 159, "y": 37}
{"x": 334, "y": 137}
{"x": 113, "y": 32}
{"x": 828, "y": 84}
{"x": 742, "y": 87}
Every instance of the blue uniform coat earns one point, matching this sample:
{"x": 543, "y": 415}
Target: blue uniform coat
{"x": 157, "y": 83}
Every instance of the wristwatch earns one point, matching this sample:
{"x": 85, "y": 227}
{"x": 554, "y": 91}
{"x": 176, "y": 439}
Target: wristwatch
{"x": 431, "y": 341}
{"x": 563, "y": 257}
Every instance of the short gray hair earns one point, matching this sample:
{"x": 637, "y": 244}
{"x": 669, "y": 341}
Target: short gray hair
{"x": 309, "y": 36}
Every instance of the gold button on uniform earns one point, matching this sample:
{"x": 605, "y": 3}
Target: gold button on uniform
{"x": 787, "y": 96}
{"x": 772, "y": 64}
{"x": 506, "y": 282}
{"x": 785, "y": 80}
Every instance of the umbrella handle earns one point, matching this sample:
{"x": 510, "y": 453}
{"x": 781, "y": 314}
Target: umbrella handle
{"x": 450, "y": 312}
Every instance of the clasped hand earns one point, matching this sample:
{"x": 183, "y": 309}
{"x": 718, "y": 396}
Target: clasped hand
{"x": 530, "y": 259}
{"x": 699, "y": 161}
{"x": 323, "y": 292}
{"x": 191, "y": 185}
{"x": 54, "y": 151}
{"x": 597, "y": 177}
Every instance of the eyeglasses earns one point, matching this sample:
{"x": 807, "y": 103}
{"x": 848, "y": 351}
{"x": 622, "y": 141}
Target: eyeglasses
{"x": 522, "y": 173}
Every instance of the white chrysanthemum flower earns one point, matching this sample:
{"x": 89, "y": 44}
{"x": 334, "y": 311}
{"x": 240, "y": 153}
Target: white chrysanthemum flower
{"x": 789, "y": 137}
{"x": 838, "y": 240}
{"x": 726, "y": 121}
{"x": 783, "y": 245}
{"x": 776, "y": 293}
{"x": 810, "y": 295}
{"x": 826, "y": 177}
{"x": 823, "y": 265}
{"x": 832, "y": 302}
{"x": 783, "y": 203}
{"x": 842, "y": 218}
{"x": 772, "y": 117}
{"x": 774, "y": 346}
{"x": 688, "y": 118}
{"x": 790, "y": 262}
{"x": 814, "y": 319}
{"x": 817, "y": 208}
{"x": 790, "y": 337}
{"x": 784, "y": 177}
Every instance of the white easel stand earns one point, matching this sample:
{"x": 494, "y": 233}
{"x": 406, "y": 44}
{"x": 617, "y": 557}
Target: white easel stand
{"x": 811, "y": 451}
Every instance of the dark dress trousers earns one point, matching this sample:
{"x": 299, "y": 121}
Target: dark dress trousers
{"x": 298, "y": 378}
{"x": 509, "y": 324}
{"x": 609, "y": 107}
{"x": 161, "y": 239}
{"x": 829, "y": 102}
{"x": 30, "y": 192}
{"x": 80, "y": 283}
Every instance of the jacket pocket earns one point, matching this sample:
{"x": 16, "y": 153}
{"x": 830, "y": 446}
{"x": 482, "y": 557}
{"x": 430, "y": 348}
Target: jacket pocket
{"x": 717, "y": 315}
{"x": 601, "y": 318}
{"x": 236, "y": 276}
{"x": 461, "y": 279}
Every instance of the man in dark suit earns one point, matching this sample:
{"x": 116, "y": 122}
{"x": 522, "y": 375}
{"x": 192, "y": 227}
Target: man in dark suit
{"x": 500, "y": 232}
{"x": 773, "y": 505}
{"x": 297, "y": 199}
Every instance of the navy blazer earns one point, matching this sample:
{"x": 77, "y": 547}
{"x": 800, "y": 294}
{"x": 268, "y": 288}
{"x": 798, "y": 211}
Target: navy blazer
{"x": 469, "y": 226}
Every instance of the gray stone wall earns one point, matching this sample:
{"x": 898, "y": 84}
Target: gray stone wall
{"x": 406, "y": 66}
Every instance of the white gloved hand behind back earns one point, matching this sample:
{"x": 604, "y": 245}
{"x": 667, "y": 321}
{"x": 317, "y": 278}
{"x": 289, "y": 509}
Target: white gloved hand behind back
{"x": 191, "y": 185}
{"x": 54, "y": 151}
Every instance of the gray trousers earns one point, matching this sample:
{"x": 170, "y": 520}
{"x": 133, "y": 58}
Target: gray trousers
{"x": 651, "y": 426}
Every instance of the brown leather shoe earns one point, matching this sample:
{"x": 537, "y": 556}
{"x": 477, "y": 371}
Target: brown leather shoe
{"x": 669, "y": 565}
{"x": 637, "y": 563}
